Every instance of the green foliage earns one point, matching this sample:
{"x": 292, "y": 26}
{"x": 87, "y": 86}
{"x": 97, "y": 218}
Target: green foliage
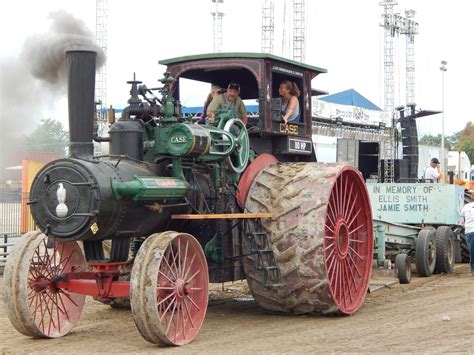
{"x": 466, "y": 141}
{"x": 459, "y": 141}
{"x": 435, "y": 141}
{"x": 48, "y": 136}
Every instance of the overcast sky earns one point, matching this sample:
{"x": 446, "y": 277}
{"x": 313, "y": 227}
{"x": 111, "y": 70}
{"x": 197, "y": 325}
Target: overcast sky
{"x": 343, "y": 36}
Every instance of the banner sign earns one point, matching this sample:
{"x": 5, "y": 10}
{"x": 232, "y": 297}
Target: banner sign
{"x": 349, "y": 113}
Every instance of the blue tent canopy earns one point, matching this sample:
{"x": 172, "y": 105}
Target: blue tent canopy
{"x": 350, "y": 97}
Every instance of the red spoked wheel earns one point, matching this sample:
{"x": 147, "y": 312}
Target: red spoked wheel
{"x": 169, "y": 288}
{"x": 36, "y": 307}
{"x": 348, "y": 240}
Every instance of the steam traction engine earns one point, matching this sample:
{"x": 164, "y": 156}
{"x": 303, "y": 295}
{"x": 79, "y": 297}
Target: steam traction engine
{"x": 186, "y": 204}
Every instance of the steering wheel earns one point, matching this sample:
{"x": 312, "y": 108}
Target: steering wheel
{"x": 238, "y": 159}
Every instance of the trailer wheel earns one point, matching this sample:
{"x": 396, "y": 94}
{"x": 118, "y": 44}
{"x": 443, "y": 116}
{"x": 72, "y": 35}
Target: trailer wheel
{"x": 444, "y": 250}
{"x": 426, "y": 252}
{"x": 402, "y": 265}
{"x": 35, "y": 306}
{"x": 169, "y": 288}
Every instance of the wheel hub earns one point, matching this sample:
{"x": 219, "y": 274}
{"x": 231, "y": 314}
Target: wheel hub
{"x": 182, "y": 289}
{"x": 342, "y": 235}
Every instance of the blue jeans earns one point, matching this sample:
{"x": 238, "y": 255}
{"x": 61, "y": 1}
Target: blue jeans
{"x": 470, "y": 247}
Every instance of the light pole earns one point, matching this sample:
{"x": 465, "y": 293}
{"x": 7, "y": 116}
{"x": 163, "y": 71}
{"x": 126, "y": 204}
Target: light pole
{"x": 443, "y": 158}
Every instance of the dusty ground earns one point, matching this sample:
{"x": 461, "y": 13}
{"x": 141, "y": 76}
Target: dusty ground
{"x": 403, "y": 318}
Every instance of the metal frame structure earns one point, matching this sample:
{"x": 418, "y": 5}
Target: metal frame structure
{"x": 268, "y": 26}
{"x": 101, "y": 40}
{"x": 390, "y": 26}
{"x": 410, "y": 28}
{"x": 299, "y": 30}
{"x": 217, "y": 26}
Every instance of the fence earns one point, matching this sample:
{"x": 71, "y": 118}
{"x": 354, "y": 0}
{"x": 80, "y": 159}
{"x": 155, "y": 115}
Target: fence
{"x": 7, "y": 241}
{"x": 15, "y": 220}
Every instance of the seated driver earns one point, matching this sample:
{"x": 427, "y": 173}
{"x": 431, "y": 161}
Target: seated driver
{"x": 229, "y": 100}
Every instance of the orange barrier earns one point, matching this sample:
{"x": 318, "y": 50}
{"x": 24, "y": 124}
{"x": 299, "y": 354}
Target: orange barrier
{"x": 29, "y": 171}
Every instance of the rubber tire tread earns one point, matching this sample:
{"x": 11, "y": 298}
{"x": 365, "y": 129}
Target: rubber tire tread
{"x": 425, "y": 236}
{"x": 444, "y": 239}
{"x": 402, "y": 265}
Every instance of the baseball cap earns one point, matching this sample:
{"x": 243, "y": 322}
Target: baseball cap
{"x": 435, "y": 160}
{"x": 234, "y": 86}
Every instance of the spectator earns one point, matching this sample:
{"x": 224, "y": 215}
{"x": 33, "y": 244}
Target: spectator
{"x": 432, "y": 171}
{"x": 290, "y": 105}
{"x": 215, "y": 91}
{"x": 229, "y": 100}
{"x": 468, "y": 214}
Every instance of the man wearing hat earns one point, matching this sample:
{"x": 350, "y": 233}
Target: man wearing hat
{"x": 432, "y": 171}
{"x": 229, "y": 100}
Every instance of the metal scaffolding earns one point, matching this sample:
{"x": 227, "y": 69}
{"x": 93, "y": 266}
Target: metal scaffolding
{"x": 217, "y": 26}
{"x": 410, "y": 28}
{"x": 268, "y": 28}
{"x": 299, "y": 29}
{"x": 391, "y": 28}
{"x": 390, "y": 25}
{"x": 101, "y": 40}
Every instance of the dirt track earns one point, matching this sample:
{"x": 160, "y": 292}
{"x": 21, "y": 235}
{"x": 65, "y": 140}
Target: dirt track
{"x": 404, "y": 318}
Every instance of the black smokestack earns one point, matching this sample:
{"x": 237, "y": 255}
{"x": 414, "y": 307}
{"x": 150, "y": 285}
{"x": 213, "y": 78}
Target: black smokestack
{"x": 81, "y": 67}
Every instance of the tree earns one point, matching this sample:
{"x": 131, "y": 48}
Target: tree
{"x": 466, "y": 141}
{"x": 48, "y": 136}
{"x": 435, "y": 141}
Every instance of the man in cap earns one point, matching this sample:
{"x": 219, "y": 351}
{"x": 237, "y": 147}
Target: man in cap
{"x": 229, "y": 100}
{"x": 432, "y": 171}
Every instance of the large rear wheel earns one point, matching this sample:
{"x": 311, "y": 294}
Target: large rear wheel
{"x": 321, "y": 236}
{"x": 35, "y": 306}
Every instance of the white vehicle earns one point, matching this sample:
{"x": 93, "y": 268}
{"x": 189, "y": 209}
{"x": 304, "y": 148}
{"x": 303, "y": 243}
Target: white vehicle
{"x": 459, "y": 166}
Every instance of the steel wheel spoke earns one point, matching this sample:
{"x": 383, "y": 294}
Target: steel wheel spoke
{"x": 356, "y": 229}
{"x": 166, "y": 277}
{"x": 169, "y": 267}
{"x": 185, "y": 257}
{"x": 171, "y": 320}
{"x": 356, "y": 253}
{"x": 68, "y": 297}
{"x": 189, "y": 268}
{"x": 166, "y": 298}
{"x": 354, "y": 218}
{"x": 192, "y": 301}
{"x": 334, "y": 216}
{"x": 192, "y": 277}
{"x": 326, "y": 225}
{"x": 189, "y": 313}
{"x": 355, "y": 265}
{"x": 169, "y": 305}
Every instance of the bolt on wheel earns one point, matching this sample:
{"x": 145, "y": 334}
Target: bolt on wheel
{"x": 36, "y": 307}
{"x": 169, "y": 288}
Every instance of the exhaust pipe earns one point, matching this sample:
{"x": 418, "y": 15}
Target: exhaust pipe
{"x": 81, "y": 68}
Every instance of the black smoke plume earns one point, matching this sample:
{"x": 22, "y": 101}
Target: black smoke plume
{"x": 36, "y": 79}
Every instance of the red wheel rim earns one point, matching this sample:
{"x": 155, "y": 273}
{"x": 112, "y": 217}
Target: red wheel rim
{"x": 182, "y": 287}
{"x": 54, "y": 311}
{"x": 348, "y": 240}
